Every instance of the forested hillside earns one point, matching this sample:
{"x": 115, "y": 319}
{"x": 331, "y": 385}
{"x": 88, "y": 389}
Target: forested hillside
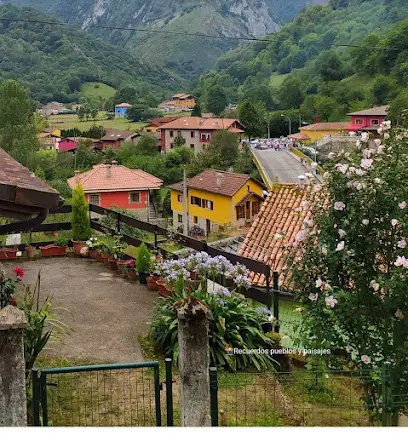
{"x": 53, "y": 61}
{"x": 311, "y": 64}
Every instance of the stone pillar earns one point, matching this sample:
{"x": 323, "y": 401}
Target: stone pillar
{"x": 13, "y": 400}
{"x": 194, "y": 362}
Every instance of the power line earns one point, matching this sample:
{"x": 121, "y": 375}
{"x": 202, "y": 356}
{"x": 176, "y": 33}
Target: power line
{"x": 194, "y": 34}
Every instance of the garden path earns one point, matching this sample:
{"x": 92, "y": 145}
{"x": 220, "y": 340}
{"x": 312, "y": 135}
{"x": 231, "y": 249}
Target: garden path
{"x": 105, "y": 313}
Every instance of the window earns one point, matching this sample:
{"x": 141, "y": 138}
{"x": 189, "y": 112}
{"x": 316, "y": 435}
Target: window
{"x": 359, "y": 121}
{"x": 192, "y": 146}
{"x": 375, "y": 122}
{"x": 179, "y": 218}
{"x": 205, "y": 136}
{"x": 255, "y": 207}
{"x": 196, "y": 201}
{"x": 179, "y": 133}
{"x": 240, "y": 212}
{"x": 171, "y": 133}
{"x": 209, "y": 204}
{"x": 192, "y": 133}
{"x": 171, "y": 144}
{"x": 248, "y": 188}
{"x": 94, "y": 199}
{"x": 195, "y": 219}
{"x": 134, "y": 197}
{"x": 179, "y": 198}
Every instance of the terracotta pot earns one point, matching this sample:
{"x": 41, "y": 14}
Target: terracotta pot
{"x": 53, "y": 250}
{"x": 8, "y": 253}
{"x": 106, "y": 259}
{"x": 163, "y": 288}
{"x": 121, "y": 267}
{"x": 30, "y": 251}
{"x": 131, "y": 274}
{"x": 78, "y": 246}
{"x": 93, "y": 254}
{"x": 113, "y": 263}
{"x": 151, "y": 283}
{"x": 99, "y": 256}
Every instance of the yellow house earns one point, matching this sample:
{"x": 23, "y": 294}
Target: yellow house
{"x": 216, "y": 198}
{"x": 317, "y": 131}
{"x": 183, "y": 102}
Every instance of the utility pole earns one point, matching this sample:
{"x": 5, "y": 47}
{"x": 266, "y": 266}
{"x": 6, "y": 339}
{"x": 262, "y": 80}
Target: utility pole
{"x": 185, "y": 204}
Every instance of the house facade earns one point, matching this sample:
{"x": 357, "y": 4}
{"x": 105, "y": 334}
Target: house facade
{"x": 368, "y": 119}
{"x": 196, "y": 132}
{"x": 183, "y": 102}
{"x": 121, "y": 109}
{"x": 113, "y": 138}
{"x": 317, "y": 131}
{"x": 216, "y": 199}
{"x": 108, "y": 185}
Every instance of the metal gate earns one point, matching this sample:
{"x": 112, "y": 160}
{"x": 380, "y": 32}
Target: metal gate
{"x": 127, "y": 394}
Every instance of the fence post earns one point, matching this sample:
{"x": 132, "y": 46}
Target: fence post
{"x": 36, "y": 397}
{"x": 13, "y": 399}
{"x": 214, "y": 396}
{"x": 169, "y": 392}
{"x": 276, "y": 299}
{"x": 194, "y": 359}
{"x": 268, "y": 287}
{"x": 386, "y": 416}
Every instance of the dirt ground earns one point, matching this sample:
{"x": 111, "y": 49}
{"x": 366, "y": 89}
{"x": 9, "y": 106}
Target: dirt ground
{"x": 105, "y": 313}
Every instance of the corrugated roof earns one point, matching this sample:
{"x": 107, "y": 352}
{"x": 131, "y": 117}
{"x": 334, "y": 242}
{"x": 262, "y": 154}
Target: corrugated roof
{"x": 326, "y": 126}
{"x": 106, "y": 177}
{"x": 197, "y": 123}
{"x": 380, "y": 111}
{"x": 218, "y": 182}
{"x": 115, "y": 134}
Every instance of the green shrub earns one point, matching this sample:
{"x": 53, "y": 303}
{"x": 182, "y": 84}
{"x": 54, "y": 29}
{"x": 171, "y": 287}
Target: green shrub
{"x": 61, "y": 241}
{"x": 234, "y": 324}
{"x": 81, "y": 226}
{"x": 144, "y": 259}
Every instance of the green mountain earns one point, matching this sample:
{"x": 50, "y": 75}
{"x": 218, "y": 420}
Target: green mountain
{"x": 184, "y": 54}
{"x": 311, "y": 64}
{"x": 53, "y": 61}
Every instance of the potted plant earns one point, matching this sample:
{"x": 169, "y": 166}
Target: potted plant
{"x": 119, "y": 254}
{"x": 93, "y": 245}
{"x": 30, "y": 249}
{"x": 152, "y": 279}
{"x": 58, "y": 248}
{"x": 130, "y": 267}
{"x": 164, "y": 288}
{"x": 81, "y": 226}
{"x": 143, "y": 263}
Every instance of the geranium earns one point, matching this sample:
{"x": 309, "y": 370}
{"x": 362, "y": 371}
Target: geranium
{"x": 402, "y": 205}
{"x": 342, "y": 233}
{"x": 339, "y": 205}
{"x": 365, "y": 359}
{"x": 19, "y": 272}
{"x": 340, "y": 246}
{"x": 394, "y": 222}
{"x": 402, "y": 243}
{"x": 313, "y": 297}
{"x": 366, "y": 163}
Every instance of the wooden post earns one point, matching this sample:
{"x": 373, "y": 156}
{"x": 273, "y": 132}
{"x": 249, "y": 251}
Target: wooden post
{"x": 13, "y": 400}
{"x": 194, "y": 363}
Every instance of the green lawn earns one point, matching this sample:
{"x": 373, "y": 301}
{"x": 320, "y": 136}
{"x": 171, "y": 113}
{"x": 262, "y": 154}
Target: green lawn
{"x": 70, "y": 121}
{"x": 95, "y": 91}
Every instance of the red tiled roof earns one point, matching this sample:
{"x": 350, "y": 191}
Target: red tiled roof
{"x": 326, "y": 126}
{"x": 300, "y": 136}
{"x": 115, "y": 134}
{"x": 219, "y": 182}
{"x": 275, "y": 227}
{"x": 123, "y": 105}
{"x": 104, "y": 177}
{"x": 197, "y": 123}
{"x": 157, "y": 122}
{"x": 380, "y": 111}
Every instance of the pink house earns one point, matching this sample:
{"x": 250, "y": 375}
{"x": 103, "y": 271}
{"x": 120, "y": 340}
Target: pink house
{"x": 368, "y": 119}
{"x": 67, "y": 144}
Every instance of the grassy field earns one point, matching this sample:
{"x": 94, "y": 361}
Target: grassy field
{"x": 95, "y": 91}
{"x": 276, "y": 80}
{"x": 70, "y": 121}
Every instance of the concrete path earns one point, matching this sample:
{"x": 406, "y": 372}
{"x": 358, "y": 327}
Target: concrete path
{"x": 104, "y": 312}
{"x": 280, "y": 164}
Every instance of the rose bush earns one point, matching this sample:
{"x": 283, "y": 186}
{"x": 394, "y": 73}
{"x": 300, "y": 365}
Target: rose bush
{"x": 351, "y": 267}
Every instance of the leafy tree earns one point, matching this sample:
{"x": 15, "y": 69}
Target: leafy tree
{"x": 81, "y": 113}
{"x": 398, "y": 110}
{"x": 17, "y": 124}
{"x": 251, "y": 117}
{"x": 291, "y": 94}
{"x": 81, "y": 226}
{"x": 147, "y": 145}
{"x": 179, "y": 141}
{"x": 330, "y": 66}
{"x": 216, "y": 99}
{"x": 84, "y": 157}
{"x": 126, "y": 94}
{"x": 141, "y": 112}
{"x": 325, "y": 106}
{"x": 94, "y": 113}
{"x": 196, "y": 112}
{"x": 382, "y": 89}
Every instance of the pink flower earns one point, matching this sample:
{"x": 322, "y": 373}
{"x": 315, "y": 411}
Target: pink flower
{"x": 365, "y": 359}
{"x": 342, "y": 168}
{"x": 402, "y": 205}
{"x": 366, "y": 163}
{"x": 360, "y": 172}
{"x": 402, "y": 243}
{"x": 339, "y": 205}
{"x": 301, "y": 235}
{"x": 374, "y": 285}
{"x": 319, "y": 283}
{"x": 340, "y": 246}
{"x": 394, "y": 222}
{"x": 330, "y": 301}
{"x": 19, "y": 272}
{"x": 313, "y": 297}
{"x": 342, "y": 233}
{"x": 401, "y": 261}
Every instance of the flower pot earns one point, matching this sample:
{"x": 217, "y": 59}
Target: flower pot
{"x": 106, "y": 259}
{"x": 163, "y": 288}
{"x": 93, "y": 254}
{"x": 53, "y": 250}
{"x": 143, "y": 277}
{"x": 8, "y": 253}
{"x": 78, "y": 246}
{"x": 131, "y": 274}
{"x": 113, "y": 263}
{"x": 151, "y": 283}
{"x": 121, "y": 267}
{"x": 99, "y": 256}
{"x": 30, "y": 251}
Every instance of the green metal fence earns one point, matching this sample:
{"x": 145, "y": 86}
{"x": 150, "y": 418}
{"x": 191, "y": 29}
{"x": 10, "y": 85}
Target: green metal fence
{"x": 101, "y": 395}
{"x": 299, "y": 398}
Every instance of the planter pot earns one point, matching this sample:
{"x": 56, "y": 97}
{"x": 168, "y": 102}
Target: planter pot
{"x": 143, "y": 278}
{"x": 8, "y": 253}
{"x": 106, "y": 259}
{"x": 131, "y": 274}
{"x": 121, "y": 267}
{"x": 151, "y": 283}
{"x": 78, "y": 246}
{"x": 30, "y": 251}
{"x": 53, "y": 250}
{"x": 113, "y": 263}
{"x": 99, "y": 256}
{"x": 93, "y": 254}
{"x": 163, "y": 288}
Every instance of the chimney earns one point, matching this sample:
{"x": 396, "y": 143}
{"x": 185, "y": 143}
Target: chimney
{"x": 220, "y": 180}
{"x": 108, "y": 171}
{"x": 302, "y": 181}
{"x": 77, "y": 172}
{"x": 114, "y": 162}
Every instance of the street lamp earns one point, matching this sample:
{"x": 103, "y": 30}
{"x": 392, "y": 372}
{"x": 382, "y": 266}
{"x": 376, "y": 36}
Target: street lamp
{"x": 290, "y": 123}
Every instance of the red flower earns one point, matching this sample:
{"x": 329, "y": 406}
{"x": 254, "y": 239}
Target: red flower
{"x": 13, "y": 302}
{"x": 19, "y": 272}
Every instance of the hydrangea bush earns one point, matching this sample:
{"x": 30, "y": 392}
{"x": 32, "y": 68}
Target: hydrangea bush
{"x": 350, "y": 266}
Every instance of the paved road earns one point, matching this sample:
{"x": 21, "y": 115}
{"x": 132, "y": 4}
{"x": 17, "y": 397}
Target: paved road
{"x": 280, "y": 164}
